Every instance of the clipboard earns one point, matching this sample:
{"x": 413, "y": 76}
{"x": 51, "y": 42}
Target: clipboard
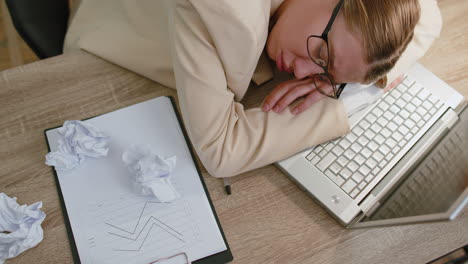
{"x": 218, "y": 257}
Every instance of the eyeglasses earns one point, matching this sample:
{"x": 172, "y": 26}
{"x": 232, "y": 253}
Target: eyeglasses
{"x": 318, "y": 50}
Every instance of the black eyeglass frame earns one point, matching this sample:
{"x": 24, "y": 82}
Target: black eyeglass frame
{"x": 324, "y": 37}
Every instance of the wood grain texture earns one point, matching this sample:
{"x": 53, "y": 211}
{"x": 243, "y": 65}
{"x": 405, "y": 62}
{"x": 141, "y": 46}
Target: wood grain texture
{"x": 267, "y": 219}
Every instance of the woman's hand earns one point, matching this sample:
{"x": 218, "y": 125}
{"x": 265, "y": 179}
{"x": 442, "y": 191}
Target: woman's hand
{"x": 287, "y": 92}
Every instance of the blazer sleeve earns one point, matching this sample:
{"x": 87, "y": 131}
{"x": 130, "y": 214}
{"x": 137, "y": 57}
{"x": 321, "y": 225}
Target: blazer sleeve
{"x": 426, "y": 31}
{"x": 229, "y": 139}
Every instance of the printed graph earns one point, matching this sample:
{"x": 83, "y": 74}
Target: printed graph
{"x": 151, "y": 222}
{"x": 131, "y": 227}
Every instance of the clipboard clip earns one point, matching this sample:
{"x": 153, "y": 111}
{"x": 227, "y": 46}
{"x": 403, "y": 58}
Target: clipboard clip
{"x": 182, "y": 256}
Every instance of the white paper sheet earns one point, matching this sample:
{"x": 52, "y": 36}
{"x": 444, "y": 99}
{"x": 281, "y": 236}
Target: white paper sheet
{"x": 111, "y": 222}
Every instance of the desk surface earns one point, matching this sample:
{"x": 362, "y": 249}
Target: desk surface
{"x": 267, "y": 219}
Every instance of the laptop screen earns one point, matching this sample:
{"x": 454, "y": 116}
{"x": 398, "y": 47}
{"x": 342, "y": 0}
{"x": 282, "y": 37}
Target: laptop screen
{"x": 439, "y": 181}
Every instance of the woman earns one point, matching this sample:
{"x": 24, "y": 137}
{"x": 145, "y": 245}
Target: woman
{"x": 210, "y": 50}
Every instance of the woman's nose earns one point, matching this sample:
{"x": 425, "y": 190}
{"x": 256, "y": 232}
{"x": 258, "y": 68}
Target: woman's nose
{"x": 304, "y": 67}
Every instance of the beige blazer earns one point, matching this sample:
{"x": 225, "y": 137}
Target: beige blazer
{"x": 209, "y": 50}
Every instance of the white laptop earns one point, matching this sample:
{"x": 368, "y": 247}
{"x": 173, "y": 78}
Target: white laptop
{"x": 404, "y": 161}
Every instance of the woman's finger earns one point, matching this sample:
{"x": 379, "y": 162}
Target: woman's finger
{"x": 279, "y": 91}
{"x": 292, "y": 95}
{"x": 313, "y": 97}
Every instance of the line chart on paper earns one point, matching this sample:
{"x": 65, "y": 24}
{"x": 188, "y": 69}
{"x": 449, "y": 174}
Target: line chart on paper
{"x": 132, "y": 227}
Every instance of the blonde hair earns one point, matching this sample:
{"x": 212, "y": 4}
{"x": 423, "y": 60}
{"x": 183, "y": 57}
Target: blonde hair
{"x": 387, "y": 27}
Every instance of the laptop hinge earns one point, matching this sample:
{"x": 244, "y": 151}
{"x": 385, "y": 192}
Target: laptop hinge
{"x": 368, "y": 203}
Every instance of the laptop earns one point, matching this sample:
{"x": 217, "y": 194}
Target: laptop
{"x": 405, "y": 159}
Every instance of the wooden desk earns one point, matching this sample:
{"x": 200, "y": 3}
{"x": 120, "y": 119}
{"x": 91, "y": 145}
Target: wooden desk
{"x": 268, "y": 219}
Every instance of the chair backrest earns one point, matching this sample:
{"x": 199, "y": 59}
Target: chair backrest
{"x": 41, "y": 23}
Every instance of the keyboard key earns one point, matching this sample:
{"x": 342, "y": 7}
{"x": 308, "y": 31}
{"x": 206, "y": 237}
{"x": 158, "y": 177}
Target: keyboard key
{"x": 384, "y": 106}
{"x": 322, "y": 153}
{"x": 377, "y": 111}
{"x": 427, "y": 105}
{"x": 414, "y": 130}
{"x": 385, "y": 132}
{"x": 373, "y": 146}
{"x": 403, "y": 130}
{"x": 396, "y": 93}
{"x": 382, "y": 121}
{"x": 363, "y": 141}
{"x": 379, "y": 139}
{"x": 359, "y": 159}
{"x": 351, "y": 137}
{"x": 376, "y": 127}
{"x": 389, "y": 156}
{"x": 337, "y": 150}
{"x": 357, "y": 177}
{"x": 310, "y": 156}
{"x": 394, "y": 109}
{"x": 392, "y": 126}
{"x": 409, "y": 124}
{"x": 364, "y": 124}
{"x": 398, "y": 120}
{"x": 354, "y": 193}
{"x": 391, "y": 143}
{"x": 318, "y": 149}
{"x": 432, "y": 111}
{"x": 348, "y": 186}
{"x": 427, "y": 117}
{"x": 349, "y": 154}
{"x": 404, "y": 114}
{"x": 371, "y": 118}
{"x": 352, "y": 166}
{"x": 345, "y": 173}
{"x": 337, "y": 180}
{"x": 315, "y": 160}
{"x": 410, "y": 107}
{"x": 378, "y": 156}
{"x": 385, "y": 150}
{"x": 358, "y": 131}
{"x": 421, "y": 111}
{"x": 389, "y": 115}
{"x": 342, "y": 161}
{"x": 362, "y": 185}
{"x": 368, "y": 178}
{"x": 335, "y": 168}
{"x": 328, "y": 147}
{"x": 416, "y": 102}
{"x": 396, "y": 149}
{"x": 356, "y": 147}
{"x": 415, "y": 117}
{"x": 421, "y": 123}
{"x": 400, "y": 103}
{"x": 366, "y": 152}
{"x": 371, "y": 163}
{"x": 408, "y": 136}
{"x": 406, "y": 97}
{"x": 364, "y": 170}
{"x": 397, "y": 136}
{"x": 390, "y": 100}
{"x": 344, "y": 143}
{"x": 326, "y": 161}
{"x": 369, "y": 134}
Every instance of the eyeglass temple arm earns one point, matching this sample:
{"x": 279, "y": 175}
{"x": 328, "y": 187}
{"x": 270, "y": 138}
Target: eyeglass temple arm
{"x": 332, "y": 19}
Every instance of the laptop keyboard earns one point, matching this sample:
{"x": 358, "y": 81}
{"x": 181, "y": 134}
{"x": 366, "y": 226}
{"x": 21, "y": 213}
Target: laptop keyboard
{"x": 379, "y": 139}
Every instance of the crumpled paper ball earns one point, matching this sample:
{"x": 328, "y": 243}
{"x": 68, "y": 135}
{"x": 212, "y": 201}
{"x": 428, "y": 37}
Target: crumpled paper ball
{"x": 151, "y": 173}
{"x": 20, "y": 227}
{"x": 78, "y": 141}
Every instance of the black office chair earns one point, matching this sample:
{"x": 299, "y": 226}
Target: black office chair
{"x": 41, "y": 23}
